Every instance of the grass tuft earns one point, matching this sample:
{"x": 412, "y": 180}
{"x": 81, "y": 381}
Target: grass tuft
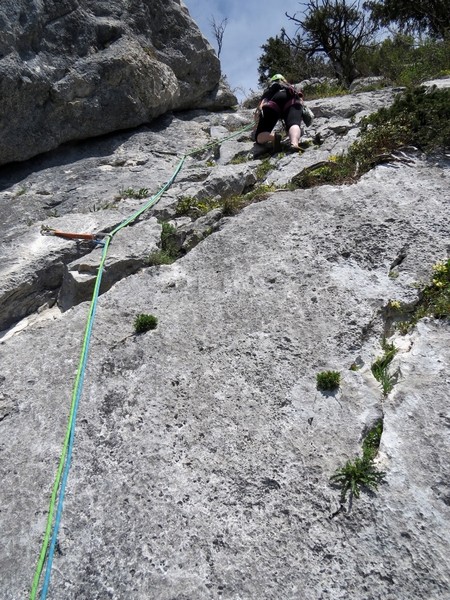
{"x": 328, "y": 380}
{"x": 361, "y": 472}
{"x": 132, "y": 193}
{"x": 144, "y": 322}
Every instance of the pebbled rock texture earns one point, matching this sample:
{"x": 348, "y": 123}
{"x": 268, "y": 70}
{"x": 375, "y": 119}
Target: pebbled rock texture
{"x": 74, "y": 69}
{"x": 203, "y": 450}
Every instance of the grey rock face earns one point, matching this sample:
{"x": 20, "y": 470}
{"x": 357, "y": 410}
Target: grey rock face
{"x": 80, "y": 68}
{"x": 203, "y": 450}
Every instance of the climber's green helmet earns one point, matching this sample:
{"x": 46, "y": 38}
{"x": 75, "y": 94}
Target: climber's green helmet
{"x": 278, "y": 77}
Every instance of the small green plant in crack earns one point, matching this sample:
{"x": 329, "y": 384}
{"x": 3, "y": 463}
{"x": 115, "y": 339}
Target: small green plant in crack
{"x": 371, "y": 442}
{"x": 233, "y": 204}
{"x": 160, "y": 258}
{"x": 355, "y": 475}
{"x": 195, "y": 207}
{"x": 240, "y": 158}
{"x": 169, "y": 247}
{"x": 144, "y": 322}
{"x": 380, "y": 368}
{"x": 361, "y": 473}
{"x": 434, "y": 299}
{"x": 263, "y": 169}
{"x": 132, "y": 193}
{"x": 168, "y": 239}
{"x": 328, "y": 380}
{"x": 21, "y": 191}
{"x": 106, "y": 206}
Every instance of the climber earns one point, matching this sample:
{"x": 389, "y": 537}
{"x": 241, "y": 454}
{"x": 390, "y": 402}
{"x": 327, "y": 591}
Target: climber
{"x": 279, "y": 101}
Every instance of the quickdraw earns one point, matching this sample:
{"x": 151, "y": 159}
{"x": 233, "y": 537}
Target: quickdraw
{"x": 96, "y": 238}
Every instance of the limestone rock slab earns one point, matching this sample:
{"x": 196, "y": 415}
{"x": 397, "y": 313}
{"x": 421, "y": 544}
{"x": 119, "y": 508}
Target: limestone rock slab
{"x": 77, "y": 69}
{"x": 204, "y": 449}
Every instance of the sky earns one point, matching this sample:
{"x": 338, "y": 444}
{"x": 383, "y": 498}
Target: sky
{"x": 250, "y": 24}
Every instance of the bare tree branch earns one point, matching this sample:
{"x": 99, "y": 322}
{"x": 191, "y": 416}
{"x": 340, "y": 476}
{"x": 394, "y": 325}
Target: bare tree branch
{"x": 218, "y": 29}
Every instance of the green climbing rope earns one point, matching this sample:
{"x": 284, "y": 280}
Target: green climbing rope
{"x": 58, "y": 489}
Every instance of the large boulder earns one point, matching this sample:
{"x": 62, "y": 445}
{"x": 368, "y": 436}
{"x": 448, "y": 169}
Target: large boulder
{"x": 73, "y": 69}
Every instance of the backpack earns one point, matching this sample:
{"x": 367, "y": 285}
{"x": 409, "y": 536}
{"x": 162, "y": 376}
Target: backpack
{"x": 307, "y": 113}
{"x": 295, "y": 97}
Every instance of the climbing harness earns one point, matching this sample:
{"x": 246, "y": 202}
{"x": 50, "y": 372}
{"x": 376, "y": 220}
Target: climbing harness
{"x": 50, "y": 540}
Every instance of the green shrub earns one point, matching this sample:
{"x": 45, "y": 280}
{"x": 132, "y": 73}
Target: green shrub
{"x": 402, "y": 61}
{"x": 143, "y": 323}
{"x": 419, "y": 117}
{"x": 328, "y": 380}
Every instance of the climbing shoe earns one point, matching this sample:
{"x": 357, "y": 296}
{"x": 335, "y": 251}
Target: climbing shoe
{"x": 295, "y": 149}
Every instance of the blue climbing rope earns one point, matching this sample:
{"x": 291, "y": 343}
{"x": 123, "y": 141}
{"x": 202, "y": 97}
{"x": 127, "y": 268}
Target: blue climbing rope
{"x": 59, "y": 486}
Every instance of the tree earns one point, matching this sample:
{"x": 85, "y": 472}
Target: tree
{"x": 282, "y": 55}
{"x": 337, "y": 29}
{"x": 277, "y": 58}
{"x": 218, "y": 29}
{"x": 424, "y": 16}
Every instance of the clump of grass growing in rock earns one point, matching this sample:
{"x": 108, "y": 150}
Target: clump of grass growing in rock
{"x": 371, "y": 442}
{"x": 380, "y": 368}
{"x": 434, "y": 299}
{"x": 21, "y": 191}
{"x": 144, "y": 322}
{"x": 169, "y": 247}
{"x": 132, "y": 193}
{"x": 169, "y": 243}
{"x": 263, "y": 169}
{"x": 361, "y": 472}
{"x": 160, "y": 258}
{"x": 419, "y": 118}
{"x": 230, "y": 205}
{"x": 355, "y": 475}
{"x": 328, "y": 380}
{"x": 324, "y": 90}
{"x": 241, "y": 158}
{"x": 196, "y": 207}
